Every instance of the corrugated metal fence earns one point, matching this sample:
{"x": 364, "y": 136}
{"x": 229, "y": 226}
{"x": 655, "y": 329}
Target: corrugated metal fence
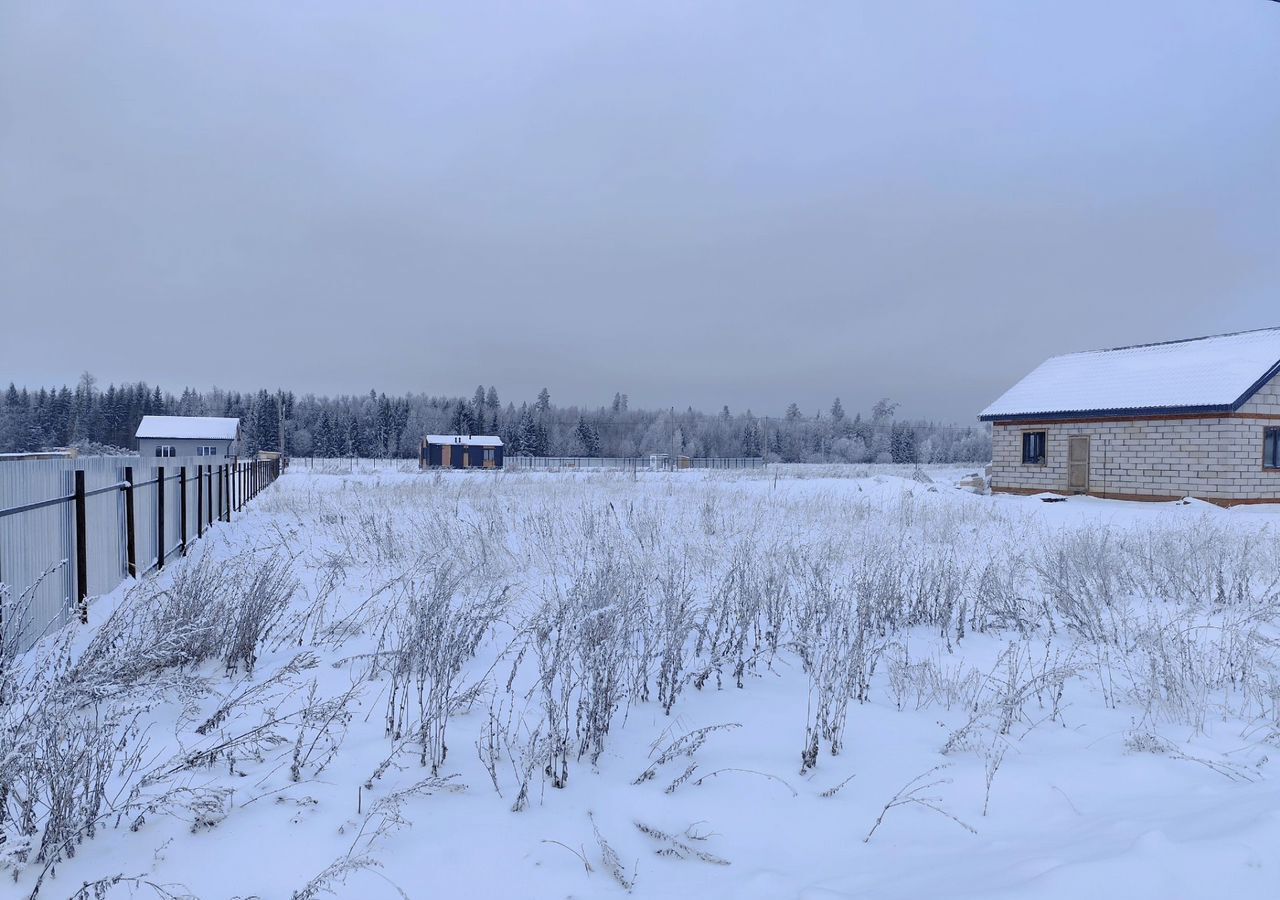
{"x": 75, "y": 528}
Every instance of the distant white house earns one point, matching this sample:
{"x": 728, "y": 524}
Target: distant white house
{"x": 201, "y": 436}
{"x": 1198, "y": 417}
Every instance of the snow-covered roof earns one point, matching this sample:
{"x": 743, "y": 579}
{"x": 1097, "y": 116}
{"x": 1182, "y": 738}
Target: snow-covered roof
{"x": 472, "y": 440}
{"x": 207, "y": 427}
{"x": 1211, "y": 374}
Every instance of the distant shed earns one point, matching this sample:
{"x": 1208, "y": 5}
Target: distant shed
{"x": 209, "y": 436}
{"x": 1197, "y": 417}
{"x": 460, "y": 451}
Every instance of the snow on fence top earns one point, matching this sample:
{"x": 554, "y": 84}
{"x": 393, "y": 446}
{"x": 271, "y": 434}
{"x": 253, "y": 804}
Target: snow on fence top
{"x": 473, "y": 440}
{"x": 1216, "y": 373}
{"x": 211, "y": 427}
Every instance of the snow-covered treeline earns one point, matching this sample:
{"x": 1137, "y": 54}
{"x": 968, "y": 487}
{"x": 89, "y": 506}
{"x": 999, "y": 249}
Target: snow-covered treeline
{"x": 378, "y": 425}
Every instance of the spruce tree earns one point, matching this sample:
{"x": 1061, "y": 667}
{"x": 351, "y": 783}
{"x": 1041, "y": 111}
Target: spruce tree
{"x": 478, "y": 410}
{"x": 526, "y": 443}
{"x": 588, "y": 437}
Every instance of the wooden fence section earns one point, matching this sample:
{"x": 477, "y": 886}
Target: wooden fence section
{"x": 74, "y": 529}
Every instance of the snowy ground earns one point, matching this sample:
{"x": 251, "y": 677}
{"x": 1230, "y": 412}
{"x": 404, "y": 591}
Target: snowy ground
{"x": 1086, "y": 691}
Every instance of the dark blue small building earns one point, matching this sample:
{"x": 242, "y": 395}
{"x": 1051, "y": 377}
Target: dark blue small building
{"x": 460, "y": 451}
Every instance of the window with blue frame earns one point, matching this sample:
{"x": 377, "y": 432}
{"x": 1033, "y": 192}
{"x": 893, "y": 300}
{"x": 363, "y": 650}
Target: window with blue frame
{"x": 1033, "y": 448}
{"x": 1271, "y": 448}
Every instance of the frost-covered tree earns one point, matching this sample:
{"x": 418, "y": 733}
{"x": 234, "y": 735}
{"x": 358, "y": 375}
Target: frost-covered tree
{"x": 378, "y": 424}
{"x": 526, "y": 443}
{"x": 902, "y": 443}
{"x": 461, "y": 421}
{"x": 587, "y": 437}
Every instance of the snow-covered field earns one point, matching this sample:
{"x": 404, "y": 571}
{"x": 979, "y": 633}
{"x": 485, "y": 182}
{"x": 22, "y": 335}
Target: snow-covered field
{"x": 815, "y": 682}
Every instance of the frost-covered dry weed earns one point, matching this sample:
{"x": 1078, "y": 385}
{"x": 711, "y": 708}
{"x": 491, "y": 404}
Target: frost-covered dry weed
{"x": 548, "y": 610}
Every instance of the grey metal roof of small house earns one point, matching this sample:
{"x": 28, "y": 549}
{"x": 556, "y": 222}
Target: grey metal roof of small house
{"x": 212, "y": 428}
{"x": 1217, "y": 373}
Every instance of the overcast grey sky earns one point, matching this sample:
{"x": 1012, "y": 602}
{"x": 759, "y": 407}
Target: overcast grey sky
{"x": 695, "y": 203}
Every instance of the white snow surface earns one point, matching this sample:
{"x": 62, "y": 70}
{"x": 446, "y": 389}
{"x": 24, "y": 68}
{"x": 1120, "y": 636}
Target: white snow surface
{"x": 1111, "y": 790}
{"x": 214, "y": 428}
{"x": 474, "y": 440}
{"x": 1209, "y": 371}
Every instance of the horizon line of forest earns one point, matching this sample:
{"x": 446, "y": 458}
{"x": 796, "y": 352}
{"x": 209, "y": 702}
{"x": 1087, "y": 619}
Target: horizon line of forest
{"x": 377, "y": 425}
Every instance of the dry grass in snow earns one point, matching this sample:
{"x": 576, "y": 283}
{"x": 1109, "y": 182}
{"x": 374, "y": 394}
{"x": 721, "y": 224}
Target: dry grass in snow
{"x": 810, "y": 682}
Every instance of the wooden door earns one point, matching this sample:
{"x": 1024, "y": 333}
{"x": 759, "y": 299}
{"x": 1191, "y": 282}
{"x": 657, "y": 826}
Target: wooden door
{"x": 1078, "y": 463}
{"x": 446, "y": 453}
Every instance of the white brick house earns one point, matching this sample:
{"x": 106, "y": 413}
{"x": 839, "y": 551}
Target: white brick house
{"x": 1198, "y": 418}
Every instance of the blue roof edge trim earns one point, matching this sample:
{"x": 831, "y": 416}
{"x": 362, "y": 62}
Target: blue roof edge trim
{"x": 1130, "y": 413}
{"x": 1256, "y": 386}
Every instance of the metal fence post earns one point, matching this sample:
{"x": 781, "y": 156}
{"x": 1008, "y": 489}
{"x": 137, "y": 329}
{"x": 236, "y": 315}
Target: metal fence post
{"x": 227, "y": 488}
{"x": 200, "y": 501}
{"x": 182, "y": 505}
{"x": 82, "y": 554}
{"x": 160, "y": 517}
{"x": 130, "y": 537}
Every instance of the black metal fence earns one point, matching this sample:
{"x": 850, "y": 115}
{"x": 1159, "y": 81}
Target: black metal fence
{"x": 115, "y": 517}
